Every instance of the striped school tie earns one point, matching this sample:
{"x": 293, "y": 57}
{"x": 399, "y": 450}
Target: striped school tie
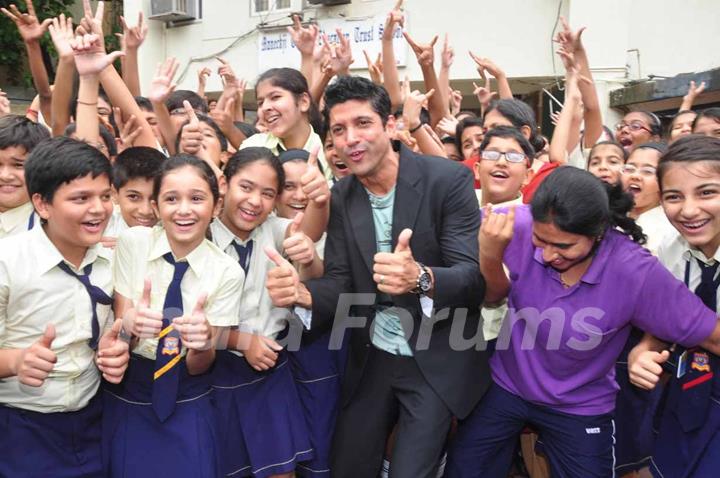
{"x": 97, "y": 296}
{"x": 244, "y": 254}
{"x": 697, "y": 382}
{"x": 167, "y": 355}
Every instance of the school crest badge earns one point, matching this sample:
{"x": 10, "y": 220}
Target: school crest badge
{"x": 701, "y": 362}
{"x": 171, "y": 346}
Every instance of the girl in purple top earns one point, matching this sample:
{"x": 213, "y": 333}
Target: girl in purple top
{"x": 577, "y": 283}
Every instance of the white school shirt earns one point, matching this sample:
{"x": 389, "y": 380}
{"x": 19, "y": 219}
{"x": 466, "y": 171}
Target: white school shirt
{"x": 656, "y": 227}
{"x": 17, "y": 220}
{"x": 276, "y": 145}
{"x": 35, "y": 292}
{"x": 139, "y": 254}
{"x": 675, "y": 253}
{"x": 116, "y": 224}
{"x": 257, "y": 313}
{"x": 494, "y": 316}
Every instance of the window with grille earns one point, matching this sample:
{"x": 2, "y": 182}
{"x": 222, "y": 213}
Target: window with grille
{"x": 265, "y": 6}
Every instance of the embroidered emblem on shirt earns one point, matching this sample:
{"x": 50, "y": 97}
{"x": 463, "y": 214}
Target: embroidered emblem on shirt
{"x": 701, "y": 362}
{"x": 171, "y": 346}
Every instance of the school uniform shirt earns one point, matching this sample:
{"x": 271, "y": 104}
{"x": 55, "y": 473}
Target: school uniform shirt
{"x": 675, "y": 252}
{"x": 35, "y": 292}
{"x": 139, "y": 254}
{"x": 656, "y": 227}
{"x": 276, "y": 145}
{"x": 257, "y": 313}
{"x": 493, "y": 316}
{"x": 17, "y": 220}
{"x": 116, "y": 224}
{"x": 565, "y": 340}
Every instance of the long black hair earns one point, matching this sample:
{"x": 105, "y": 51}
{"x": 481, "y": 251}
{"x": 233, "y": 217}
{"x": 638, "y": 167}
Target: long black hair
{"x": 579, "y": 203}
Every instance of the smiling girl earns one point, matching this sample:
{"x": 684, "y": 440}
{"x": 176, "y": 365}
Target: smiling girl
{"x": 174, "y": 290}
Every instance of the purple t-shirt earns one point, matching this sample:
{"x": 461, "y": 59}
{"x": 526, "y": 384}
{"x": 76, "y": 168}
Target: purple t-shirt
{"x": 558, "y": 345}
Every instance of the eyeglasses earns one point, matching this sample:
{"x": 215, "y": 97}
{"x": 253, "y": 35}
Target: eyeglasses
{"x": 510, "y": 156}
{"x": 646, "y": 171}
{"x": 632, "y": 126}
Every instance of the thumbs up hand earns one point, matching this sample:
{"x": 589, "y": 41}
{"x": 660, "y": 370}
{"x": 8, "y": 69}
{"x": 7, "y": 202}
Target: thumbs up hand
{"x": 140, "y": 320}
{"x": 298, "y": 246}
{"x": 283, "y": 282}
{"x": 113, "y": 354}
{"x": 35, "y": 363}
{"x": 194, "y": 329}
{"x": 396, "y": 273}
{"x": 191, "y": 137}
{"x": 313, "y": 183}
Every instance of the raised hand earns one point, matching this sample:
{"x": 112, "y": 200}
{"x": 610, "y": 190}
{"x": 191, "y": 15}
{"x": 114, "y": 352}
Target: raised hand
{"x": 283, "y": 282}
{"x": 113, "y": 354}
{"x": 134, "y": 36}
{"x": 35, "y": 363}
{"x": 456, "y": 98}
{"x": 191, "y": 136}
{"x": 313, "y": 183}
{"x": 694, "y": 91}
{"x": 4, "y": 104}
{"x": 645, "y": 368}
{"x": 140, "y": 320}
{"x": 31, "y": 30}
{"x": 414, "y": 101}
{"x": 571, "y": 41}
{"x": 298, "y": 247}
{"x": 448, "y": 125}
{"x": 488, "y": 65}
{"x": 61, "y": 32}
{"x": 483, "y": 94}
{"x": 448, "y": 53}
{"x": 496, "y": 232}
{"x": 227, "y": 74}
{"x": 395, "y": 17}
{"x": 129, "y": 130}
{"x": 375, "y": 69}
{"x": 90, "y": 57}
{"x": 425, "y": 53}
{"x": 162, "y": 84}
{"x": 194, "y": 329}
{"x": 340, "y": 55}
{"x": 92, "y": 23}
{"x": 224, "y": 116}
{"x": 396, "y": 272}
{"x": 304, "y": 38}
{"x": 203, "y": 74}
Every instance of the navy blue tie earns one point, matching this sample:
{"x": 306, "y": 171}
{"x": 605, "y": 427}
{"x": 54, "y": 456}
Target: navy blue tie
{"x": 167, "y": 355}
{"x": 244, "y": 254}
{"x": 97, "y": 296}
{"x": 707, "y": 290}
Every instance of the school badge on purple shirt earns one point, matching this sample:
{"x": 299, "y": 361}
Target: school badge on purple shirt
{"x": 701, "y": 362}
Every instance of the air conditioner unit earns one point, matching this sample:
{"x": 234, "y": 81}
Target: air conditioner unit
{"x": 328, "y": 3}
{"x": 173, "y": 10}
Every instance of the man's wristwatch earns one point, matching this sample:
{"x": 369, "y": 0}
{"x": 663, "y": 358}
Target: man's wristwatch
{"x": 424, "y": 280}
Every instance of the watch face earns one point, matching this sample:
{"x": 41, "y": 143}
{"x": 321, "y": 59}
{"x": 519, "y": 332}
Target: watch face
{"x": 424, "y": 282}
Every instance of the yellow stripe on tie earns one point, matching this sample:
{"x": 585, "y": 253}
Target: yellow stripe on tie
{"x": 165, "y": 331}
{"x": 159, "y": 373}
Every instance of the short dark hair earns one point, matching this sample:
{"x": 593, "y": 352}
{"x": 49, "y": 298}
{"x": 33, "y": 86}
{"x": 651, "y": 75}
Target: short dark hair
{"x": 246, "y": 156}
{"x": 511, "y": 133}
{"x": 657, "y": 146}
{"x": 691, "y": 148}
{"x": 176, "y": 98}
{"x": 713, "y": 113}
{"x": 246, "y": 128}
{"x": 519, "y": 114}
{"x": 16, "y": 131}
{"x": 60, "y": 160}
{"x": 579, "y": 203}
{"x": 136, "y": 162}
{"x": 347, "y": 88}
{"x": 463, "y": 125}
{"x": 623, "y": 152}
{"x": 144, "y": 103}
{"x": 208, "y": 121}
{"x": 180, "y": 161}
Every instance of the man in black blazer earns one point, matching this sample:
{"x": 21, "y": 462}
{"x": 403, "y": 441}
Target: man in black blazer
{"x": 401, "y": 240}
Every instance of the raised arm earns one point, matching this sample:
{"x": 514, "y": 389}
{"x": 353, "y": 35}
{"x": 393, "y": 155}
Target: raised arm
{"x": 692, "y": 94}
{"x": 424, "y": 137}
{"x": 31, "y": 31}
{"x": 61, "y": 32}
{"x": 305, "y": 39}
{"x": 133, "y": 38}
{"x": 571, "y": 43}
{"x": 161, "y": 88}
{"x": 426, "y": 56}
{"x": 390, "y": 71}
{"x": 337, "y": 61}
{"x": 447, "y": 57}
{"x": 567, "y": 131}
{"x": 488, "y": 65}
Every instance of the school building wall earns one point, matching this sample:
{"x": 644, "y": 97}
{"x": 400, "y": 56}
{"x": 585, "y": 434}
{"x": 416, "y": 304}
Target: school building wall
{"x": 626, "y": 40}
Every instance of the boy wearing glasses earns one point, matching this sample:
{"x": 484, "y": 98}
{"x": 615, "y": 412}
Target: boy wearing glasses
{"x": 639, "y": 179}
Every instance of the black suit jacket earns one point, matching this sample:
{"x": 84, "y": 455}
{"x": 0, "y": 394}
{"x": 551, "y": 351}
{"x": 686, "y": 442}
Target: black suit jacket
{"x": 435, "y": 198}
